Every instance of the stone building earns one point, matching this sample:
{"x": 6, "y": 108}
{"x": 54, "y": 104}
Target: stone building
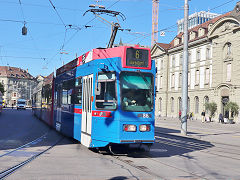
{"x": 18, "y": 83}
{"x": 213, "y": 69}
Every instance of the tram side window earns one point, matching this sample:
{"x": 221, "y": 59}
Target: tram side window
{"x": 106, "y": 91}
{"x": 67, "y": 91}
{"x": 47, "y": 94}
{"x": 78, "y": 92}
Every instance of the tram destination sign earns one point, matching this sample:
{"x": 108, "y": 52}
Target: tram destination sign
{"x": 137, "y": 57}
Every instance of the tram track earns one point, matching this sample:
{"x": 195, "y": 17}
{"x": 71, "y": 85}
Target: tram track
{"x": 10, "y": 169}
{"x": 148, "y": 171}
{"x": 196, "y": 139}
{"x": 25, "y": 145}
{"x": 201, "y": 147}
{"x": 141, "y": 168}
{"x": 222, "y": 150}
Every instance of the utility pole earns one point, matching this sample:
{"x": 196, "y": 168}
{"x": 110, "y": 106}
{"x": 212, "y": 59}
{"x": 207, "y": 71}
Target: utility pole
{"x": 185, "y": 72}
{"x": 155, "y": 7}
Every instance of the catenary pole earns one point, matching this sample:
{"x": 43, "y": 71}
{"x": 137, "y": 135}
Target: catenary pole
{"x": 185, "y": 72}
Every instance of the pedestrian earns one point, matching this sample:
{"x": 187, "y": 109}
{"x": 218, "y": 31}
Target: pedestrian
{"x": 12, "y": 106}
{"x": 179, "y": 114}
{"x": 203, "y": 116}
{"x": 220, "y": 118}
{"x": 191, "y": 116}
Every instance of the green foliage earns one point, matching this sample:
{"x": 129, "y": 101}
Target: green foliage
{"x": 1, "y": 88}
{"x": 232, "y": 107}
{"x": 212, "y": 107}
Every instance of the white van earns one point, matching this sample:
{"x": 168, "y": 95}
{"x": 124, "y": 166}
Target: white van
{"x": 21, "y": 104}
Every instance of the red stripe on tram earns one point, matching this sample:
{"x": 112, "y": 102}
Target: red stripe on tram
{"x": 78, "y": 111}
{"x": 95, "y": 113}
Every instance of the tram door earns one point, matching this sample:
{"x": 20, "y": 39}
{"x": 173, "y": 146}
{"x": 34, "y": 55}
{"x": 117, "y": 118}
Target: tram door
{"x": 87, "y": 110}
{"x": 59, "y": 108}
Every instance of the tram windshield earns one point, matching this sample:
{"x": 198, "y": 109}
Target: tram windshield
{"x": 136, "y": 91}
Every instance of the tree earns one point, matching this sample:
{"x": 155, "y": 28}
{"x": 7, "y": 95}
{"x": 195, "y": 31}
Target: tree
{"x": 233, "y": 108}
{"x": 212, "y": 107}
{"x": 1, "y": 88}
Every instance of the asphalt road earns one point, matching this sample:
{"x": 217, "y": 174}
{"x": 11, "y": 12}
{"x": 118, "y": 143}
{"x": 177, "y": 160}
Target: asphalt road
{"x": 171, "y": 157}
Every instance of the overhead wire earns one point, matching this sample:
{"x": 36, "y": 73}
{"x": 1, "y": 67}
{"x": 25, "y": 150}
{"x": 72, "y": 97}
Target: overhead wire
{"x": 22, "y": 10}
{"x": 31, "y": 37}
{"x": 57, "y": 13}
{"x": 221, "y": 5}
{"x": 43, "y": 6}
{"x": 22, "y": 57}
{"x": 79, "y": 29}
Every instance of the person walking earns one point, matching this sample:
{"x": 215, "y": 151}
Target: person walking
{"x": 203, "y": 116}
{"x": 179, "y": 115}
{"x": 191, "y": 116}
{"x": 220, "y": 118}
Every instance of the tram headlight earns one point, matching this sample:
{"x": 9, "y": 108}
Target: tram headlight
{"x": 144, "y": 127}
{"x": 129, "y": 128}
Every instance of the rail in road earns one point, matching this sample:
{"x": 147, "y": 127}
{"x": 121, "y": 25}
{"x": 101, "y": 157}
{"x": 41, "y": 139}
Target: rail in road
{"x": 168, "y": 146}
{"x": 14, "y": 159}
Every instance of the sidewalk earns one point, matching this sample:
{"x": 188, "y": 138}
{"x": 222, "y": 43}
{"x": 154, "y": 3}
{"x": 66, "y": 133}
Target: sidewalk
{"x": 208, "y": 131}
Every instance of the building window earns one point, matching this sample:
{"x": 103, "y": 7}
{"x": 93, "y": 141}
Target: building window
{"x": 206, "y": 100}
{"x": 189, "y": 57}
{"x": 198, "y": 55}
{"x": 160, "y": 104}
{"x": 180, "y": 103}
{"x": 229, "y": 67}
{"x": 14, "y": 94}
{"x": 197, "y": 78}
{"x": 172, "y": 104}
{"x": 173, "y": 61}
{"x": 180, "y": 80}
{"x": 173, "y": 81}
{"x": 229, "y": 50}
{"x": 161, "y": 82}
{"x": 207, "y": 75}
{"x": 196, "y": 105}
{"x": 161, "y": 64}
{"x": 181, "y": 60}
{"x": 208, "y": 53}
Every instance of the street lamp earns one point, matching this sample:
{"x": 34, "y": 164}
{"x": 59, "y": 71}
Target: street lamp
{"x": 24, "y": 30}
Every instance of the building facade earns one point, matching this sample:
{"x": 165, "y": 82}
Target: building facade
{"x": 18, "y": 83}
{"x": 213, "y": 67}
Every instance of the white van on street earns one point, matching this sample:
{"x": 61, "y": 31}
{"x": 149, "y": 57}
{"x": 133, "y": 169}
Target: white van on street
{"x": 21, "y": 104}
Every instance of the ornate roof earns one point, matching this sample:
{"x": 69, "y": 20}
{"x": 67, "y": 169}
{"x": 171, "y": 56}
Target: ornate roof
{"x": 7, "y": 71}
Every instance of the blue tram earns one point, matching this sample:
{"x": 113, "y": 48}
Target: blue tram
{"x": 105, "y": 97}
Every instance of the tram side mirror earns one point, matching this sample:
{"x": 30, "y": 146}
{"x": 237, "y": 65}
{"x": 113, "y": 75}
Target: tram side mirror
{"x": 98, "y": 89}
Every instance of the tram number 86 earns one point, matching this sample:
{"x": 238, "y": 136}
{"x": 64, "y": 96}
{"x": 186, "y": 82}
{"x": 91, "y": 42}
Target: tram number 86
{"x": 145, "y": 115}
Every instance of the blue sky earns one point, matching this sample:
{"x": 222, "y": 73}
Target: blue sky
{"x": 49, "y": 44}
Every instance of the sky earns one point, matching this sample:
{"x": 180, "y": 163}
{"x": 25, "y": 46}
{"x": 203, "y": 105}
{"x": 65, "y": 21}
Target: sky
{"x": 57, "y": 31}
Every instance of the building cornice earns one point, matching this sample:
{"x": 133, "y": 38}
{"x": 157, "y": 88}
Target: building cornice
{"x": 190, "y": 44}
